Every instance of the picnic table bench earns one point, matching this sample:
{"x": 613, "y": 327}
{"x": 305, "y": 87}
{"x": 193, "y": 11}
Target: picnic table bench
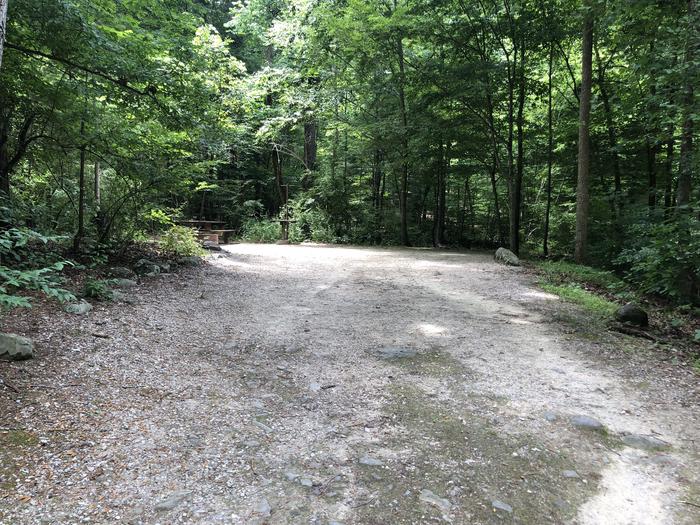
{"x": 207, "y": 230}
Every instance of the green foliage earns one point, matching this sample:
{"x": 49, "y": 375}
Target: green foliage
{"x": 98, "y": 289}
{"x": 563, "y": 272}
{"x": 14, "y": 245}
{"x": 261, "y": 231}
{"x": 664, "y": 258}
{"x": 180, "y": 241}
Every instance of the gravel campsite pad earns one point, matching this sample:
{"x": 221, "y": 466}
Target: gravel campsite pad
{"x": 319, "y": 385}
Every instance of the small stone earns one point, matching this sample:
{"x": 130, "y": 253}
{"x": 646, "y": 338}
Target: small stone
{"x": 645, "y": 442}
{"x": 80, "y": 308}
{"x": 550, "y": 416}
{"x": 315, "y": 387}
{"x": 333, "y": 522}
{"x": 570, "y": 474}
{"x": 505, "y": 256}
{"x": 372, "y": 462}
{"x": 587, "y": 422}
{"x": 15, "y": 347}
{"x": 431, "y": 498}
{"x": 306, "y": 482}
{"x": 172, "y": 501}
{"x": 263, "y": 508}
{"x": 499, "y": 505}
{"x": 263, "y": 427}
{"x": 632, "y": 313}
{"x": 291, "y": 476}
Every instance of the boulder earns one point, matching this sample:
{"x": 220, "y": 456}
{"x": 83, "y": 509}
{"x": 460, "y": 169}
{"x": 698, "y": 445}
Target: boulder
{"x": 15, "y": 347}
{"x": 146, "y": 268}
{"x": 189, "y": 261}
{"x": 212, "y": 246}
{"x": 121, "y": 272}
{"x": 124, "y": 283}
{"x": 80, "y": 308}
{"x": 633, "y": 314}
{"x": 505, "y": 256}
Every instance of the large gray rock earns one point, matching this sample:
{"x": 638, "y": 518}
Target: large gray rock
{"x": 212, "y": 246}
{"x": 122, "y": 272}
{"x": 505, "y": 256}
{"x": 633, "y": 314}
{"x": 80, "y": 308}
{"x": 146, "y": 267}
{"x": 124, "y": 283}
{"x": 587, "y": 422}
{"x": 15, "y": 347}
{"x": 191, "y": 260}
{"x": 645, "y": 442}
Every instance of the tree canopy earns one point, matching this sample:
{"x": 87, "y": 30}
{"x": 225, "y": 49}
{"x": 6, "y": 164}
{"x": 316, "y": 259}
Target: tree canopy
{"x": 416, "y": 122}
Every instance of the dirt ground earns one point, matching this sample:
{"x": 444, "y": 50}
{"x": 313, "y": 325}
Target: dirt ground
{"x": 319, "y": 385}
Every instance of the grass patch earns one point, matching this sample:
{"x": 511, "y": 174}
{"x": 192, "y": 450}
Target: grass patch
{"x": 576, "y": 294}
{"x": 557, "y": 272}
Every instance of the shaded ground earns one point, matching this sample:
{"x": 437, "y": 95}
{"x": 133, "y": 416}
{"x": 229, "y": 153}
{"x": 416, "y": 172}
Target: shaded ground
{"x": 299, "y": 384}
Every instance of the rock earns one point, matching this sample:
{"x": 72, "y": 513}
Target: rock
{"x": 550, "y": 416}
{"x": 633, "y": 314}
{"x": 263, "y": 508}
{"x": 505, "y": 256}
{"x": 391, "y": 352}
{"x": 80, "y": 308}
{"x": 431, "y": 498}
{"x": 291, "y": 476}
{"x": 122, "y": 272}
{"x": 146, "y": 267}
{"x": 372, "y": 462}
{"x": 570, "y": 474}
{"x": 645, "y": 442}
{"x": 189, "y": 261}
{"x": 315, "y": 387}
{"x": 212, "y": 246}
{"x": 164, "y": 267}
{"x": 587, "y": 422}
{"x": 499, "y": 505}
{"x": 172, "y": 501}
{"x": 124, "y": 283}
{"x": 15, "y": 347}
{"x": 306, "y": 482}
{"x": 333, "y": 522}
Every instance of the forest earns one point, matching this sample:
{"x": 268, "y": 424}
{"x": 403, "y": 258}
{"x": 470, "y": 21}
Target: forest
{"x": 564, "y": 129}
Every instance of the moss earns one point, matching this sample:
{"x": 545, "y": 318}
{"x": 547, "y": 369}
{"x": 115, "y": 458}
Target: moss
{"x": 18, "y": 438}
{"x": 461, "y": 456}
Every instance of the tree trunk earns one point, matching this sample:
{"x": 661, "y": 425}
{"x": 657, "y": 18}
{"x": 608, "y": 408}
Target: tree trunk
{"x": 98, "y": 174}
{"x": 668, "y": 173}
{"x": 78, "y": 239}
{"x": 584, "y": 168}
{"x": 3, "y": 26}
{"x": 550, "y": 151}
{"x": 310, "y": 151}
{"x": 685, "y": 175}
{"x": 509, "y": 146}
{"x": 403, "y": 191}
{"x": 651, "y": 173}
{"x": 517, "y": 190}
{"x": 4, "y": 151}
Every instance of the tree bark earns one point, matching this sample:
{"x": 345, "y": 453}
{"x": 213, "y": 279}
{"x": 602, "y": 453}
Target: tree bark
{"x": 517, "y": 190}
{"x": 310, "y": 152}
{"x": 584, "y": 168}
{"x": 3, "y": 26}
{"x": 403, "y": 191}
{"x": 78, "y": 239}
{"x": 685, "y": 175}
{"x": 550, "y": 151}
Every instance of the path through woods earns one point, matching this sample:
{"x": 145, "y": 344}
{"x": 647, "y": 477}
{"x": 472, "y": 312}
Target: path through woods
{"x": 301, "y": 384}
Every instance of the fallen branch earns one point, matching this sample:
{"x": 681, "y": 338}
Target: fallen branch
{"x": 628, "y": 330}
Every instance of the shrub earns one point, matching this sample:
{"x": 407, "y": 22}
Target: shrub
{"x": 180, "y": 241}
{"x": 98, "y": 289}
{"x": 264, "y": 230}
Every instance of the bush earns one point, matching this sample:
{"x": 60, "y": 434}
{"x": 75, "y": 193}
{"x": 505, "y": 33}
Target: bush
{"x": 15, "y": 244}
{"x": 180, "y": 241}
{"x": 98, "y": 289}
{"x": 264, "y": 230}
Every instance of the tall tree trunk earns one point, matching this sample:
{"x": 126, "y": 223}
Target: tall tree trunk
{"x": 310, "y": 151}
{"x": 5, "y": 151}
{"x": 517, "y": 191}
{"x": 509, "y": 145}
{"x": 668, "y": 173}
{"x": 685, "y": 175}
{"x": 550, "y": 150}
{"x": 651, "y": 173}
{"x": 78, "y": 239}
{"x": 584, "y": 167}
{"x": 3, "y": 26}
{"x": 403, "y": 191}
{"x": 98, "y": 175}
{"x": 494, "y": 164}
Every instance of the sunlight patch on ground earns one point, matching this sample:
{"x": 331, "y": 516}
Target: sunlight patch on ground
{"x": 431, "y": 330}
{"x": 541, "y": 295}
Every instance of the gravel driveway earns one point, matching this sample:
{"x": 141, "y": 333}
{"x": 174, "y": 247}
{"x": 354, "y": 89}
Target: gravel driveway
{"x": 319, "y": 385}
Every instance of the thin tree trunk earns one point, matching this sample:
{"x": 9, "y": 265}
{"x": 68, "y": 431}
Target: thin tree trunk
{"x": 668, "y": 172}
{"x": 4, "y": 151}
{"x": 517, "y": 192}
{"x": 509, "y": 146}
{"x": 310, "y": 152}
{"x": 78, "y": 239}
{"x": 98, "y": 174}
{"x": 3, "y": 26}
{"x": 403, "y": 191}
{"x": 550, "y": 151}
{"x": 685, "y": 175}
{"x": 651, "y": 173}
{"x": 583, "y": 183}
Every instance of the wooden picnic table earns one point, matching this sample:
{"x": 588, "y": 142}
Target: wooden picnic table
{"x": 204, "y": 225}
